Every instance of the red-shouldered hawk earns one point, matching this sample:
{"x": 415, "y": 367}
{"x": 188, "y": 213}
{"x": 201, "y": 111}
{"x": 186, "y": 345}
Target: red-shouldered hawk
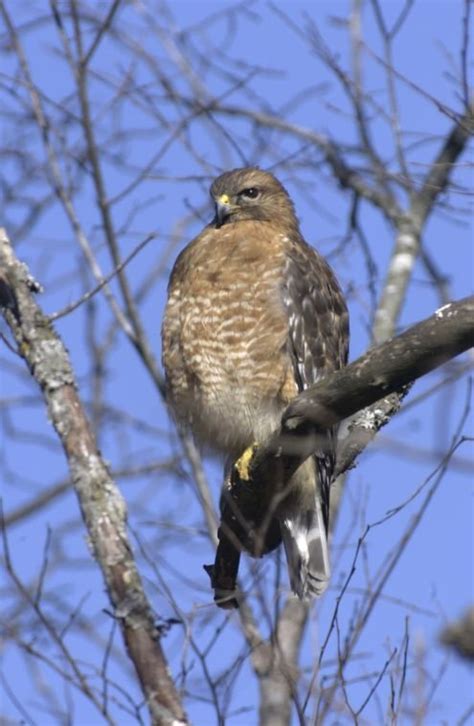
{"x": 254, "y": 316}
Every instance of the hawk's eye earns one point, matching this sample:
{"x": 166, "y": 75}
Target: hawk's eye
{"x": 251, "y": 193}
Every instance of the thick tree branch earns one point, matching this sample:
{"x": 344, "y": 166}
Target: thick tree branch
{"x": 387, "y": 368}
{"x": 373, "y": 380}
{"x": 102, "y": 505}
{"x": 411, "y": 223}
{"x": 279, "y": 683}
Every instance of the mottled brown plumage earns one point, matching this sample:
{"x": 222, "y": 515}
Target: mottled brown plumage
{"x": 254, "y": 316}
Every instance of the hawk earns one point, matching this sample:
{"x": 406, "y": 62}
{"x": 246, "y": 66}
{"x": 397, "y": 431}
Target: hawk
{"x": 254, "y": 316}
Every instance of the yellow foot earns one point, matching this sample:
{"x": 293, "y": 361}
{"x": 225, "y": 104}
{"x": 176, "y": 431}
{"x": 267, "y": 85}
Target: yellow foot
{"x": 243, "y": 463}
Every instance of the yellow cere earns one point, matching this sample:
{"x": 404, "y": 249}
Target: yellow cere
{"x": 224, "y": 199}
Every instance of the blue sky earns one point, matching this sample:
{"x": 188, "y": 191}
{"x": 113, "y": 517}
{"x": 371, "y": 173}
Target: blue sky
{"x": 432, "y": 582}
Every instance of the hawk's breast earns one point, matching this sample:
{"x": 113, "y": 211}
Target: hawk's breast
{"x": 225, "y": 335}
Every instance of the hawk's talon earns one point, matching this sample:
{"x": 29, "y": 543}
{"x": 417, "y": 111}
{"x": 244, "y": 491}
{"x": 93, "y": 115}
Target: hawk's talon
{"x": 243, "y": 462}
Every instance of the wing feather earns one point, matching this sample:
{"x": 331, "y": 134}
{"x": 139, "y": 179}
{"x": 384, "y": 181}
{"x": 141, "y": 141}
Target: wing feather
{"x": 318, "y": 335}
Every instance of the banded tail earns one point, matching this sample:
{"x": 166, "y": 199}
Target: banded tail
{"x": 304, "y": 533}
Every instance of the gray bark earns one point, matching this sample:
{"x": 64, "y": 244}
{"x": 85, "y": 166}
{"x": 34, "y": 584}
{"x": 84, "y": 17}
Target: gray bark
{"x": 102, "y": 506}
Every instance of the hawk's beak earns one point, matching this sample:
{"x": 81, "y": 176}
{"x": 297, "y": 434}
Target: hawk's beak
{"x": 223, "y": 209}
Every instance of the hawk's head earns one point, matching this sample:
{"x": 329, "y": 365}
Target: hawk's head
{"x": 251, "y": 193}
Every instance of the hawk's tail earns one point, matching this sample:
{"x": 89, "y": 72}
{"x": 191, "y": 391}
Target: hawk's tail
{"x": 304, "y": 534}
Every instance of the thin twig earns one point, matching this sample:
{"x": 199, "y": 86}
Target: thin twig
{"x": 90, "y": 294}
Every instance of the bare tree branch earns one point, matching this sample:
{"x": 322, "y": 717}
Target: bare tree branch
{"x": 386, "y": 368}
{"x": 57, "y": 181}
{"x": 410, "y": 226}
{"x": 279, "y": 682}
{"x": 441, "y": 169}
{"x": 146, "y": 107}
{"x": 347, "y": 176}
{"x": 102, "y": 505}
{"x": 371, "y": 379}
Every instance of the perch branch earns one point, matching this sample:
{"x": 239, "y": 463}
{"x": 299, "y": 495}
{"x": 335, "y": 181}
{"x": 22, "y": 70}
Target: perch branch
{"x": 373, "y": 385}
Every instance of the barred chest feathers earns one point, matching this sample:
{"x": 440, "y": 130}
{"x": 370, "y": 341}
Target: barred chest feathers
{"x": 227, "y": 378}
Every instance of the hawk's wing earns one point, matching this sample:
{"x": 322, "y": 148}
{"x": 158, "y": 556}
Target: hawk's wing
{"x": 318, "y": 333}
{"x": 318, "y": 336}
